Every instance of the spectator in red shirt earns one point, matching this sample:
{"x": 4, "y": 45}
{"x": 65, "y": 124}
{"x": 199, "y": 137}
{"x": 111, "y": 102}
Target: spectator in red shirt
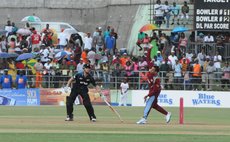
{"x": 35, "y": 39}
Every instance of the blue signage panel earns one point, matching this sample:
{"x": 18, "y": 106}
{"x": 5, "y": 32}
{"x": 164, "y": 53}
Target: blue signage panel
{"x": 20, "y": 97}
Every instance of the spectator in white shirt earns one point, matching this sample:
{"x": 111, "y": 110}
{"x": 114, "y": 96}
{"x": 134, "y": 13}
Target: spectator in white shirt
{"x": 44, "y": 54}
{"x": 209, "y": 38}
{"x": 173, "y": 59}
{"x": 158, "y": 13}
{"x": 217, "y": 64}
{"x": 88, "y": 40}
{"x": 62, "y": 40}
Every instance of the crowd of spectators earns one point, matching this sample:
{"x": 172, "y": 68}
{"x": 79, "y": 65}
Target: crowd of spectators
{"x": 180, "y": 67}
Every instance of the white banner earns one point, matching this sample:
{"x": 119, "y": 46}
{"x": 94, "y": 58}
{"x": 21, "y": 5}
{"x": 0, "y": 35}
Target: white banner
{"x": 191, "y": 98}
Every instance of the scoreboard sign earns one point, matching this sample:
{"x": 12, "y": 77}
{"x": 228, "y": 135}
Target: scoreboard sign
{"x": 212, "y": 15}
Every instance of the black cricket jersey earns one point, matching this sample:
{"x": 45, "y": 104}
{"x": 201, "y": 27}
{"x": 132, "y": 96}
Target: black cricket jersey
{"x": 82, "y": 82}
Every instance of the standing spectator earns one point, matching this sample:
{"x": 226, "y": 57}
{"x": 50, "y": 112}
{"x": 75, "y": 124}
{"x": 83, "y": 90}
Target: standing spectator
{"x": 189, "y": 55}
{"x": 91, "y": 56}
{"x": 158, "y": 13}
{"x": 80, "y": 66}
{"x": 3, "y": 44}
{"x": 109, "y": 44}
{"x": 185, "y": 13}
{"x": 177, "y": 75}
{"x": 217, "y": 63}
{"x": 226, "y": 76}
{"x": 44, "y": 54}
{"x": 210, "y": 76}
{"x": 164, "y": 68}
{"x": 62, "y": 40}
{"x": 201, "y": 57}
{"x": 24, "y": 44}
{"x": 106, "y": 75}
{"x": 220, "y": 44}
{"x": 88, "y": 40}
{"x": 128, "y": 69}
{"x": 35, "y": 40}
{"x": 8, "y": 28}
{"x": 6, "y": 80}
{"x": 205, "y": 75}
{"x": 39, "y": 68}
{"x": 114, "y": 34}
{"x": 96, "y": 32}
{"x": 124, "y": 92}
{"x": 11, "y": 45}
{"x": 107, "y": 32}
{"x": 175, "y": 11}
{"x": 172, "y": 58}
{"x": 99, "y": 41}
{"x": 196, "y": 75}
{"x": 47, "y": 72}
{"x": 84, "y": 55}
{"x": 21, "y": 80}
{"x": 184, "y": 66}
{"x": 183, "y": 41}
{"x": 167, "y": 14}
{"x": 98, "y": 72}
{"x": 47, "y": 36}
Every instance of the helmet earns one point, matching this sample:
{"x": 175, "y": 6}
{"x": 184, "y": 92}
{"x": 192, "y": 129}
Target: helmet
{"x": 86, "y": 66}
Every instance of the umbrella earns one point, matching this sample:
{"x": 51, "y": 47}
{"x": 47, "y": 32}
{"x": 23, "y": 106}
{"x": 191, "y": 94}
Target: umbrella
{"x": 179, "y": 29}
{"x": 13, "y": 55}
{"x": 4, "y": 55}
{"x": 31, "y": 19}
{"x": 25, "y": 56}
{"x": 2, "y": 32}
{"x": 60, "y": 54}
{"x": 23, "y": 32}
{"x": 68, "y": 32}
{"x": 148, "y": 27}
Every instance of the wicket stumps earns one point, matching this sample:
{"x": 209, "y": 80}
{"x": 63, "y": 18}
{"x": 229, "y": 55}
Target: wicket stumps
{"x": 181, "y": 115}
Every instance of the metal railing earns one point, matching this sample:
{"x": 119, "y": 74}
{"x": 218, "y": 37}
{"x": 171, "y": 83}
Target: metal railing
{"x": 212, "y": 81}
{"x": 210, "y": 48}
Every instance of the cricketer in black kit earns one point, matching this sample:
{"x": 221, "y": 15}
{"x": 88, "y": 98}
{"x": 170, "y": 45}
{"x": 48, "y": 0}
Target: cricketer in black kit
{"x": 80, "y": 87}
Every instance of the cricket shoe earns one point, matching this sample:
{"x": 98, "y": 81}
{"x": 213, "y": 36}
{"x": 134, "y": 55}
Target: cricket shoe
{"x": 69, "y": 118}
{"x": 142, "y": 121}
{"x": 93, "y": 120}
{"x": 168, "y": 117}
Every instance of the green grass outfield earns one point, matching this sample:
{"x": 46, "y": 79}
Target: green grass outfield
{"x": 46, "y": 124}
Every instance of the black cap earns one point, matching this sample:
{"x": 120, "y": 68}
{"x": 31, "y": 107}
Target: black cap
{"x": 86, "y": 66}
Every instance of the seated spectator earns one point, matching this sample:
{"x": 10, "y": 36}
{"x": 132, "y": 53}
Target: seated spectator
{"x": 209, "y": 38}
